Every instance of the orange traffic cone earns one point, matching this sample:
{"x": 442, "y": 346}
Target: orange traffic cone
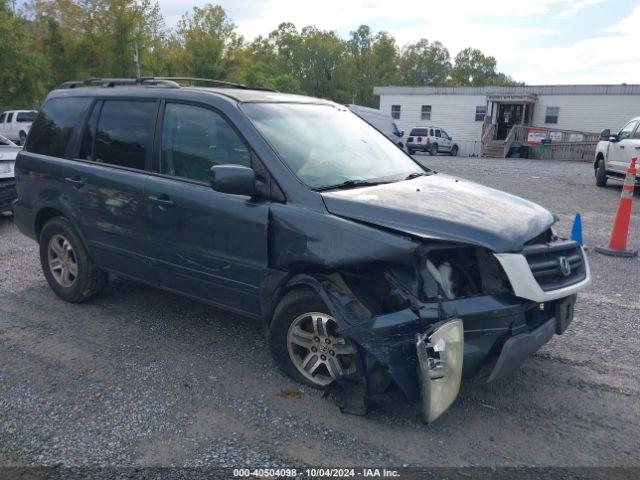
{"x": 620, "y": 231}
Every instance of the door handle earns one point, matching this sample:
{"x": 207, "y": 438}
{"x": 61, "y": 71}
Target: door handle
{"x": 621, "y": 146}
{"x": 75, "y": 181}
{"x": 163, "y": 200}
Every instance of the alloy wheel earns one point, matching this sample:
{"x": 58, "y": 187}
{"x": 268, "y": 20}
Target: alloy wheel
{"x": 62, "y": 261}
{"x": 317, "y": 351}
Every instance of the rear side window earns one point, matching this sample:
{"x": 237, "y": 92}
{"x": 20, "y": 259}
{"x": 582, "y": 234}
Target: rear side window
{"x": 194, "y": 139}
{"x": 419, "y": 132}
{"x": 123, "y": 134}
{"x": 9, "y": 117}
{"x": 54, "y": 125}
{"x": 25, "y": 117}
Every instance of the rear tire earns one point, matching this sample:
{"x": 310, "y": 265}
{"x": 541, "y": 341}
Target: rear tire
{"x": 434, "y": 149}
{"x": 69, "y": 270}
{"x": 601, "y": 174}
{"x": 411, "y": 151}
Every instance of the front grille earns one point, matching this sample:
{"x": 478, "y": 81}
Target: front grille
{"x": 549, "y": 262}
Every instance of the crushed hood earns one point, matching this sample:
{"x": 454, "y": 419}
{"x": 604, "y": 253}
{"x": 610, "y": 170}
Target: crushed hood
{"x": 441, "y": 207}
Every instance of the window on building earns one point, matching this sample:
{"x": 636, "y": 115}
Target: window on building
{"x": 395, "y": 112}
{"x": 481, "y": 112}
{"x": 194, "y": 139}
{"x": 54, "y": 124}
{"x": 425, "y": 112}
{"x": 124, "y": 133}
{"x": 551, "y": 115}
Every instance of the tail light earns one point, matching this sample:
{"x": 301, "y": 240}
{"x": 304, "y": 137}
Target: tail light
{"x": 428, "y": 141}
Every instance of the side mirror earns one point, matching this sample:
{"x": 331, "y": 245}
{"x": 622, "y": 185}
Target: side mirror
{"x": 401, "y": 134}
{"x": 605, "y": 134}
{"x": 613, "y": 138}
{"x": 233, "y": 179}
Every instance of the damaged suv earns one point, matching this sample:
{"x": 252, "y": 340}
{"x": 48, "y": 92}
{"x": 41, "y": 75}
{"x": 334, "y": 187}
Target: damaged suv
{"x": 365, "y": 267}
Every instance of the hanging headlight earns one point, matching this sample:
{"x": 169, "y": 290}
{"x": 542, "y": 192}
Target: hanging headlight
{"x": 440, "y": 354}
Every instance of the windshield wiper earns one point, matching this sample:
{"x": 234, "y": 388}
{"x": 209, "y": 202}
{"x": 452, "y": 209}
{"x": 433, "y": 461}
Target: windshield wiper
{"x": 416, "y": 175}
{"x": 353, "y": 183}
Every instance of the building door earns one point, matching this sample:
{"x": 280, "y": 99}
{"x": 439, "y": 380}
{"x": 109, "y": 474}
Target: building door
{"x": 508, "y": 116}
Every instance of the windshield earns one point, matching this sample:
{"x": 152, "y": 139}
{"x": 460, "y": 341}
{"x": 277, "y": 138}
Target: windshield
{"x": 326, "y": 146}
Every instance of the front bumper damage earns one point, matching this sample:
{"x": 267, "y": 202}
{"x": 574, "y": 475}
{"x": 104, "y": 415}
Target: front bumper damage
{"x": 495, "y": 331}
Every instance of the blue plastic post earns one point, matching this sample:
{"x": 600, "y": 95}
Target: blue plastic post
{"x": 576, "y": 230}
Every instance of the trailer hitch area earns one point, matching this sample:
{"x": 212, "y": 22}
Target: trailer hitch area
{"x": 440, "y": 353}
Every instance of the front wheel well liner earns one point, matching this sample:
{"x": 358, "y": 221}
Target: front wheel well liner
{"x": 599, "y": 156}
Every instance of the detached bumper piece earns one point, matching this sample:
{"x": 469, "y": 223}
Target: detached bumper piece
{"x": 440, "y": 354}
{"x": 519, "y": 347}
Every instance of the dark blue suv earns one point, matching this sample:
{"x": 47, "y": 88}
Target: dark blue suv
{"x": 362, "y": 264}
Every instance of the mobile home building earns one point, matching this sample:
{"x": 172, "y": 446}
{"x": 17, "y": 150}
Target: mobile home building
{"x": 465, "y": 112}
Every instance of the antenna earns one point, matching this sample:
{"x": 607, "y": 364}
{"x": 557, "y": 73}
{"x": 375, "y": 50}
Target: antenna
{"x": 136, "y": 60}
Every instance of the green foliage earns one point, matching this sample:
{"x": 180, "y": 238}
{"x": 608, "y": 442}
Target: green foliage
{"x": 52, "y": 41}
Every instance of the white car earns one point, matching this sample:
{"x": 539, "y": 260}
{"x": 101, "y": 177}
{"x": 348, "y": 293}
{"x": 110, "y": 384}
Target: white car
{"x": 432, "y": 140}
{"x": 15, "y": 124}
{"x": 8, "y": 153}
{"x": 379, "y": 120}
{"x": 614, "y": 152}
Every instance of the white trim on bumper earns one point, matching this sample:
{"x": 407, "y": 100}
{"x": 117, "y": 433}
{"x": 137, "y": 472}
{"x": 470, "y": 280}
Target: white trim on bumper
{"x": 524, "y": 284}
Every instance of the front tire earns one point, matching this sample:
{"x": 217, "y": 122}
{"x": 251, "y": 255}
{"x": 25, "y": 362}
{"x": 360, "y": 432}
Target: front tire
{"x": 23, "y": 138}
{"x": 411, "y": 151}
{"x": 601, "y": 174}
{"x": 454, "y": 151}
{"x": 69, "y": 270}
{"x": 304, "y": 341}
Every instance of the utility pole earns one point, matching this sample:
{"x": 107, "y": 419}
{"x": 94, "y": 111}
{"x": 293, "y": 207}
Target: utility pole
{"x": 136, "y": 60}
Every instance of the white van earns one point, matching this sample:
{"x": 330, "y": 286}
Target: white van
{"x": 381, "y": 121}
{"x": 15, "y": 124}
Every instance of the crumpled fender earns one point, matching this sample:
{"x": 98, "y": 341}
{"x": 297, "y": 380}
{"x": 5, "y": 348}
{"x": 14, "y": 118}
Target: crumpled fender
{"x": 388, "y": 346}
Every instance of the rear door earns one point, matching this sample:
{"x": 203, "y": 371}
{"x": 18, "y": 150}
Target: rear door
{"x": 204, "y": 243}
{"x": 105, "y": 183}
{"x": 620, "y": 152}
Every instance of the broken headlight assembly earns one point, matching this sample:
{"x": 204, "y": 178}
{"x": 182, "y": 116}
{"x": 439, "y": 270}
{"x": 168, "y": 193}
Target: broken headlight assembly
{"x": 440, "y": 354}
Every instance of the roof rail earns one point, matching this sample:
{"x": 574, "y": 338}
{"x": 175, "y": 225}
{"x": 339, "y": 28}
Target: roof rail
{"x": 204, "y": 80}
{"x": 169, "y": 82}
{"x": 112, "y": 82}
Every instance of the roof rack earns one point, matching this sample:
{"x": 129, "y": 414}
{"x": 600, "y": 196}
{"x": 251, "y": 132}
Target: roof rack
{"x": 169, "y": 82}
{"x": 112, "y": 82}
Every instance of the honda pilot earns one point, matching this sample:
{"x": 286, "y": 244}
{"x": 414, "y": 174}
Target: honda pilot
{"x": 365, "y": 267}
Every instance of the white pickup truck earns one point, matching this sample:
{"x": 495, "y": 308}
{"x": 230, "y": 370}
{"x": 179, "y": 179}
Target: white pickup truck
{"x": 15, "y": 124}
{"x": 614, "y": 152}
{"x": 8, "y": 153}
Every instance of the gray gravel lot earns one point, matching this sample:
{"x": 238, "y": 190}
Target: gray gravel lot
{"x": 140, "y": 377}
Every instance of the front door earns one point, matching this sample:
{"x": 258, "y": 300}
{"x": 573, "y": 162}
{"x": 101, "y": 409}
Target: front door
{"x": 620, "y": 152}
{"x": 508, "y": 116}
{"x": 204, "y": 243}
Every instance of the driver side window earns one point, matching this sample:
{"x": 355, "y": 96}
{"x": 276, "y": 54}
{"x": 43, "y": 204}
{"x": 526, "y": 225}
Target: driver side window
{"x": 194, "y": 139}
{"x": 627, "y": 130}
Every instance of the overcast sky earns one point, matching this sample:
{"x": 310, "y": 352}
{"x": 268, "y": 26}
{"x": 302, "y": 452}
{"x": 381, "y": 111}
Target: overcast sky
{"x": 535, "y": 41}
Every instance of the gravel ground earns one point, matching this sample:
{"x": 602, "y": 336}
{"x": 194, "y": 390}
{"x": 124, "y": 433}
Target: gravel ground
{"x": 140, "y": 377}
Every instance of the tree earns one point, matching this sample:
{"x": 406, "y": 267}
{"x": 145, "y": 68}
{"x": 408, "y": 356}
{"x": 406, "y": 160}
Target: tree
{"x": 423, "y": 64}
{"x": 208, "y": 44}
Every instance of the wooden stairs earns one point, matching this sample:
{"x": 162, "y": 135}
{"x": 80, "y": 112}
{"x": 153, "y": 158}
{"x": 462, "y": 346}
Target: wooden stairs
{"x": 493, "y": 149}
